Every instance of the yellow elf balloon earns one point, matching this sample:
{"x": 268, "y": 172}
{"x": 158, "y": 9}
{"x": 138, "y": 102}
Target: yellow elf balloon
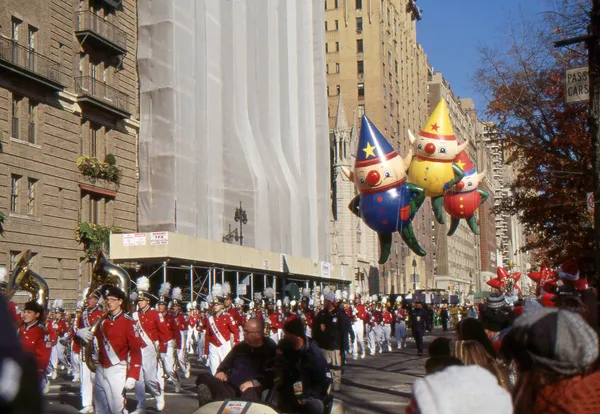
{"x": 435, "y": 149}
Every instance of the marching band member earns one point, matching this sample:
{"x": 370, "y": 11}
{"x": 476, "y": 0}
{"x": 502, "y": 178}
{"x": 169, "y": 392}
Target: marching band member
{"x": 181, "y": 322}
{"x": 201, "y": 330}
{"x": 387, "y": 320}
{"x": 370, "y": 324}
{"x": 35, "y": 338}
{"x": 236, "y": 313}
{"x": 12, "y": 306}
{"x": 359, "y": 318}
{"x": 167, "y": 334}
{"x": 149, "y": 326}
{"x": 192, "y": 333}
{"x": 219, "y": 326}
{"x": 75, "y": 348}
{"x": 306, "y": 313}
{"x": 273, "y": 317}
{"x": 86, "y": 377}
{"x": 400, "y": 328}
{"x": 52, "y": 369}
{"x": 63, "y": 332}
{"x": 119, "y": 354}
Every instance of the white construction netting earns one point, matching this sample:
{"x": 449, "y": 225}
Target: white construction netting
{"x": 233, "y": 108}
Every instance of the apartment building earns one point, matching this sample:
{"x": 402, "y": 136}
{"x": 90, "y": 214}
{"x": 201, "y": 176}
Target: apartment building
{"x": 68, "y": 89}
{"x": 375, "y": 67}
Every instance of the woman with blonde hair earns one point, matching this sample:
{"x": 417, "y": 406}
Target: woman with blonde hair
{"x": 473, "y": 353}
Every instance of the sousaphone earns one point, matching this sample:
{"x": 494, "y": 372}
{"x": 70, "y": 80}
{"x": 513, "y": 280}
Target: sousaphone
{"x": 23, "y": 278}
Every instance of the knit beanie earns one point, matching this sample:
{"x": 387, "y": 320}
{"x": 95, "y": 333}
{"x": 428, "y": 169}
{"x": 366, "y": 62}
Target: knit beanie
{"x": 496, "y": 301}
{"x": 461, "y": 390}
{"x": 294, "y": 327}
{"x": 552, "y": 340}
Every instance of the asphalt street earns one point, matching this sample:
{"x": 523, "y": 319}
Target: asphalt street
{"x": 376, "y": 384}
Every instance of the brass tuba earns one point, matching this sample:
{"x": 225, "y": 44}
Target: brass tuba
{"x": 23, "y": 278}
{"x": 105, "y": 273}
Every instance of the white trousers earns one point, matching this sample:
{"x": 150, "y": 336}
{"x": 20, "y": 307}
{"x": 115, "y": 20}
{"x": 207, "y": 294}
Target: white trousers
{"x": 182, "y": 356}
{"x": 190, "y": 340}
{"x": 53, "y": 365}
{"x": 216, "y": 355}
{"x": 359, "y": 339}
{"x": 61, "y": 353}
{"x": 169, "y": 363}
{"x": 200, "y": 344}
{"x": 371, "y": 339}
{"x": 75, "y": 361}
{"x": 148, "y": 377}
{"x": 108, "y": 389}
{"x": 86, "y": 381}
{"x": 387, "y": 332}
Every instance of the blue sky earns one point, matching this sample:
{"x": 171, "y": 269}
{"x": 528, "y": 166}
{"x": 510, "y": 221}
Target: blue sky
{"x": 452, "y": 31}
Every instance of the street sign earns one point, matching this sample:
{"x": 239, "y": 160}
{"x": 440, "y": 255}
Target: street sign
{"x": 242, "y": 289}
{"x": 590, "y": 202}
{"x": 577, "y": 85}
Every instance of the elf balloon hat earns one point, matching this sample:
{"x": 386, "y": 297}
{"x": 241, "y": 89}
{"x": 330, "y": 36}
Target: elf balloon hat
{"x": 465, "y": 164}
{"x": 373, "y": 148}
{"x": 438, "y": 126}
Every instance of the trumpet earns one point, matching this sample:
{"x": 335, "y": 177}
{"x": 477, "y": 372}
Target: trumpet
{"x": 105, "y": 273}
{"x": 23, "y": 278}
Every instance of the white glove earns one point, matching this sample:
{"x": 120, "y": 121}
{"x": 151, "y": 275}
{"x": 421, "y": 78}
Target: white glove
{"x": 85, "y": 334}
{"x": 130, "y": 384}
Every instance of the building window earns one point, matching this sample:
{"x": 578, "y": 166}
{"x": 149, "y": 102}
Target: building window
{"x": 361, "y": 89}
{"x": 15, "y": 29}
{"x": 326, "y": 48}
{"x": 361, "y": 110}
{"x": 337, "y": 25}
{"x": 337, "y": 68}
{"x": 335, "y": 3}
{"x": 31, "y": 194}
{"x": 358, "y": 5}
{"x": 390, "y": 77}
{"x": 94, "y": 209}
{"x": 326, "y": 26}
{"x": 327, "y": 68}
{"x": 359, "y": 46}
{"x": 396, "y": 66}
{"x": 388, "y": 17}
{"x": 325, "y": 4}
{"x": 32, "y": 37}
{"x": 337, "y": 46}
{"x": 61, "y": 198}
{"x": 359, "y": 25}
{"x": 14, "y": 192}
{"x": 337, "y": 87}
{"x": 389, "y": 58}
{"x": 360, "y": 67}
{"x": 16, "y": 101}
{"x": 14, "y": 255}
{"x": 93, "y": 140}
{"x": 31, "y": 126}
{"x": 384, "y": 91}
{"x": 328, "y": 91}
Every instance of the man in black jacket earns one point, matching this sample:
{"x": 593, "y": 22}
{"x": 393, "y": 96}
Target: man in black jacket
{"x": 242, "y": 373}
{"x": 304, "y": 384}
{"x": 418, "y": 321}
{"x": 330, "y": 330}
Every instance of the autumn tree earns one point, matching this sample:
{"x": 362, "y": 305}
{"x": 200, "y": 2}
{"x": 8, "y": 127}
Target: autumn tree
{"x": 546, "y": 140}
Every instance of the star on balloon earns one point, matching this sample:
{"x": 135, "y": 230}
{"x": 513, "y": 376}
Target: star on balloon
{"x": 545, "y": 280}
{"x": 505, "y": 282}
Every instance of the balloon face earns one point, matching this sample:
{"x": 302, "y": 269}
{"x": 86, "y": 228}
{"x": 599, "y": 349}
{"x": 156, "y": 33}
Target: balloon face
{"x": 381, "y": 175}
{"x": 468, "y": 183}
{"x": 435, "y": 149}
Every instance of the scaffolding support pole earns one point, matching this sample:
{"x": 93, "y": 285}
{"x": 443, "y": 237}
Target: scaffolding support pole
{"x": 237, "y": 283}
{"x": 164, "y": 272}
{"x": 222, "y": 276}
{"x": 210, "y": 281}
{"x": 191, "y": 283}
{"x": 251, "y": 286}
{"x": 275, "y": 286}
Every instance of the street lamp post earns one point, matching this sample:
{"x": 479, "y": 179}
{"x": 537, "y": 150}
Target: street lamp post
{"x": 241, "y": 217}
{"x": 414, "y": 265}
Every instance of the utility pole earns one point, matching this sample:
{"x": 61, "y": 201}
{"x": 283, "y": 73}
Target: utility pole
{"x": 591, "y": 40}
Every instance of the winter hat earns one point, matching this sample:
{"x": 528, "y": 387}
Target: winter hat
{"x": 496, "y": 301}
{"x": 569, "y": 271}
{"x": 294, "y": 327}
{"x": 461, "y": 390}
{"x": 34, "y": 307}
{"x": 552, "y": 340}
{"x": 328, "y": 295}
{"x": 113, "y": 292}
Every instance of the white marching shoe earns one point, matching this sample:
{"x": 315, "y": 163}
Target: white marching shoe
{"x": 87, "y": 410}
{"x": 160, "y": 402}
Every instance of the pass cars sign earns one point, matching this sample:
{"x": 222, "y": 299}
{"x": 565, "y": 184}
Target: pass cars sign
{"x": 577, "y": 85}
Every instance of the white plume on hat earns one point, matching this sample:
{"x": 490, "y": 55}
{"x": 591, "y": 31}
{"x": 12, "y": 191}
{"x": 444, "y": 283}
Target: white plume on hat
{"x": 55, "y": 304}
{"x": 238, "y": 301}
{"x": 217, "y": 290}
{"x": 279, "y": 303}
{"x": 345, "y": 295}
{"x": 351, "y": 296}
{"x": 338, "y": 295}
{"x": 306, "y": 292}
{"x": 164, "y": 289}
{"x": 269, "y": 293}
{"x": 79, "y": 304}
{"x": 251, "y": 305}
{"x": 326, "y": 291}
{"x": 293, "y": 303}
{"x": 358, "y": 290}
{"x": 226, "y": 288}
{"x": 3, "y": 274}
{"x": 286, "y": 301}
{"x": 133, "y": 295}
{"x": 208, "y": 300}
{"x": 257, "y": 296}
{"x": 203, "y": 305}
{"x": 189, "y": 306}
{"x": 176, "y": 293}
{"x": 398, "y": 299}
{"x": 84, "y": 293}
{"x": 143, "y": 283}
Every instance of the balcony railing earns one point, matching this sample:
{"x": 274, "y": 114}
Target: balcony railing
{"x": 26, "y": 61}
{"x": 103, "y": 95}
{"x": 15, "y": 127}
{"x": 111, "y": 35}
